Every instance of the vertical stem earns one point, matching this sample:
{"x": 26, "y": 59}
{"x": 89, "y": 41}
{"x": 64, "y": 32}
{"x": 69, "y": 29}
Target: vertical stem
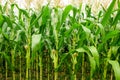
{"x": 56, "y": 73}
{"x": 74, "y": 61}
{"x": 20, "y": 67}
{"x": 28, "y": 48}
{"x": 27, "y": 62}
{"x": 55, "y": 53}
{"x": 74, "y": 75}
{"x": 74, "y": 56}
{"x": 13, "y": 72}
{"x": 105, "y": 71}
{"x": 40, "y": 59}
{"x": 83, "y": 78}
{"x": 111, "y": 76}
{"x": 48, "y": 70}
{"x": 6, "y": 72}
{"x": 29, "y": 72}
{"x": 66, "y": 78}
{"x": 91, "y": 78}
{"x": 106, "y": 64}
{"x": 27, "y": 59}
{"x": 37, "y": 67}
{"x": 26, "y": 69}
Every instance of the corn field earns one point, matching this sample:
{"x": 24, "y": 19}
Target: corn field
{"x": 56, "y": 43}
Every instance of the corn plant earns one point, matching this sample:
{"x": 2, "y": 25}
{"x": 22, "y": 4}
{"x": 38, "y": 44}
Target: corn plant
{"x": 54, "y": 43}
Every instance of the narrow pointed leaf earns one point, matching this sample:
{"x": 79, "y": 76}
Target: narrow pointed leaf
{"x": 24, "y": 12}
{"x": 116, "y": 68}
{"x": 114, "y": 49}
{"x": 117, "y": 18}
{"x": 36, "y": 41}
{"x": 91, "y": 59}
{"x": 87, "y": 31}
{"x": 110, "y": 34}
{"x": 80, "y": 50}
{"x": 95, "y": 54}
{"x": 92, "y": 65}
{"x": 8, "y": 20}
{"x": 108, "y": 13}
{"x": 66, "y": 12}
{"x": 1, "y": 20}
{"x": 46, "y": 14}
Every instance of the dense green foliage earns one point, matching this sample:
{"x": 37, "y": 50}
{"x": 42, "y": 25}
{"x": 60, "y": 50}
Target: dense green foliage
{"x": 59, "y": 44}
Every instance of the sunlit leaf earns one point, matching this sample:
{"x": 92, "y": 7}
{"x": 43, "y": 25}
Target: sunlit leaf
{"x": 110, "y": 34}
{"x": 92, "y": 65}
{"x": 95, "y": 54}
{"x": 87, "y": 31}
{"x": 66, "y": 12}
{"x": 116, "y": 68}
{"x": 91, "y": 59}
{"x": 46, "y": 14}
{"x": 108, "y": 13}
{"x": 36, "y": 41}
{"x": 114, "y": 49}
{"x": 24, "y": 12}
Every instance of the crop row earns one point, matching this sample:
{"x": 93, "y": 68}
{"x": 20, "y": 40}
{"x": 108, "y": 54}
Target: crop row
{"x": 59, "y": 44}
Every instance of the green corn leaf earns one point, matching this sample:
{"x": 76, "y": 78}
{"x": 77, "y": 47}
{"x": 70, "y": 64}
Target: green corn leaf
{"x": 6, "y": 37}
{"x": 19, "y": 36}
{"x": 33, "y": 17}
{"x": 5, "y": 7}
{"x": 61, "y": 41}
{"x": 101, "y": 28}
{"x": 36, "y": 45}
{"x": 108, "y": 13}
{"x": 63, "y": 57}
{"x": 8, "y": 20}
{"x": 1, "y": 11}
{"x": 88, "y": 10}
{"x": 118, "y": 4}
{"x": 80, "y": 50}
{"x": 95, "y": 54}
{"x": 14, "y": 5}
{"x": 66, "y": 12}
{"x": 7, "y": 58}
{"x": 110, "y": 34}
{"x": 68, "y": 32}
{"x": 46, "y": 14}
{"x": 36, "y": 38}
{"x": 19, "y": 26}
{"x": 116, "y": 68}
{"x": 114, "y": 49}
{"x": 92, "y": 65}
{"x": 117, "y": 18}
{"x": 80, "y": 8}
{"x": 87, "y": 31}
{"x": 91, "y": 59}
{"x": 24, "y": 12}
{"x": 1, "y": 20}
{"x": 74, "y": 12}
{"x": 35, "y": 20}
